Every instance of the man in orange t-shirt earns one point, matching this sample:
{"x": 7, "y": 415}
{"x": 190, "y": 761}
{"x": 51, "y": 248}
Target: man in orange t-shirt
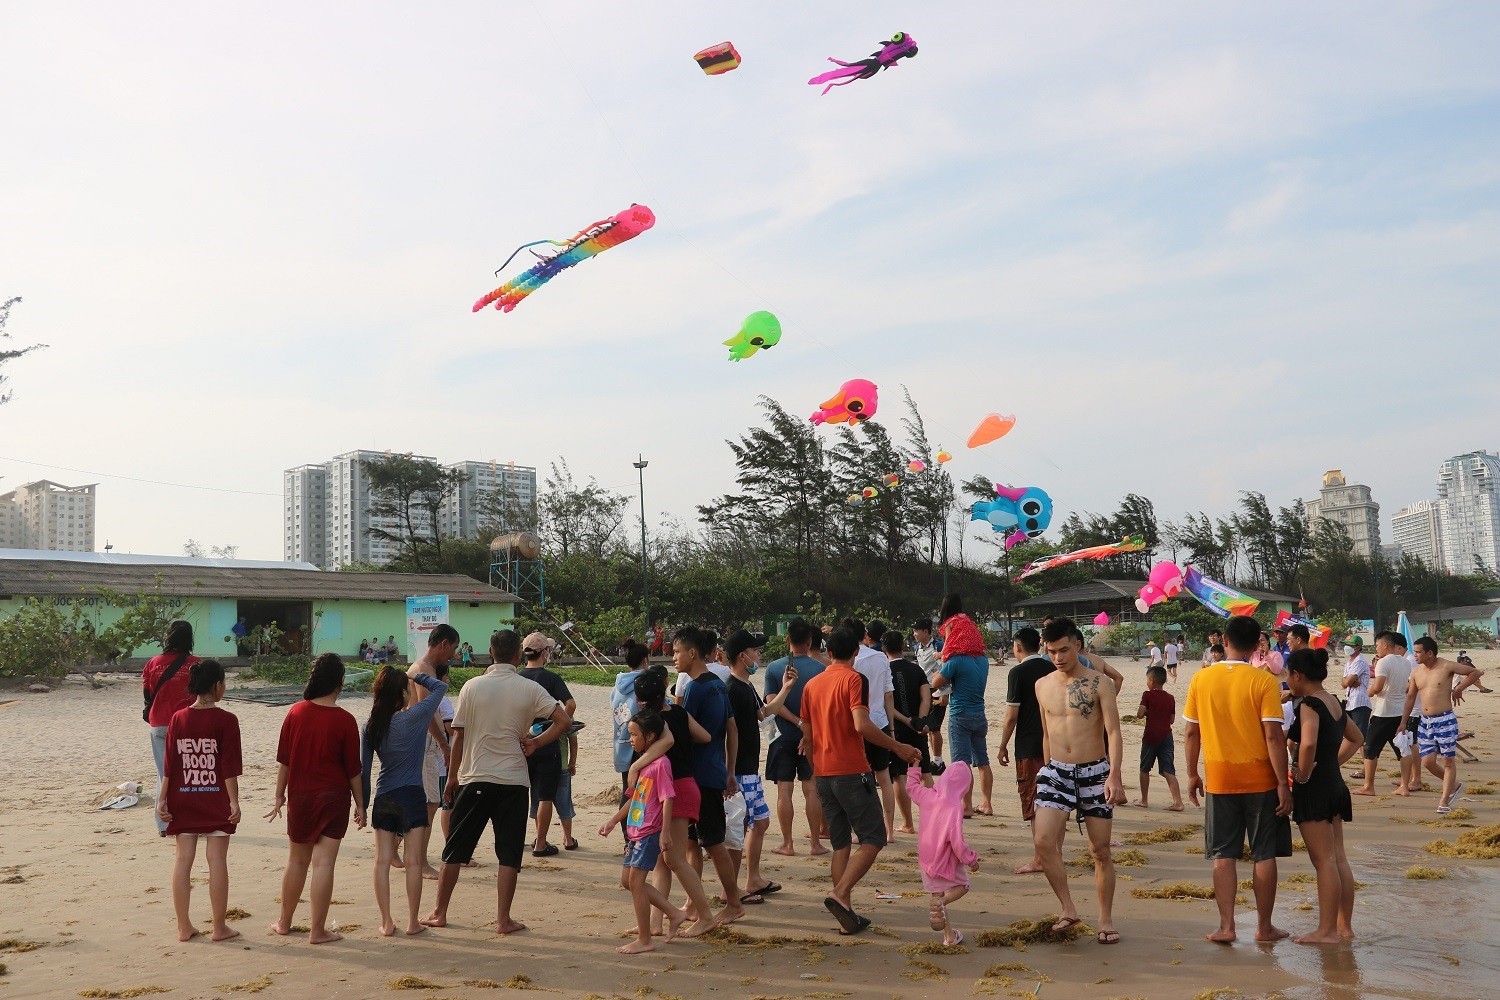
{"x": 1233, "y": 716}
{"x": 835, "y": 725}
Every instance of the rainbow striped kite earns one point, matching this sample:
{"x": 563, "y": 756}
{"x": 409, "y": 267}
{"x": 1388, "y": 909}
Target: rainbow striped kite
{"x": 1219, "y": 598}
{"x": 591, "y": 240}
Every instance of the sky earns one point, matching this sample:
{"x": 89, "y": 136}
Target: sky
{"x": 1193, "y": 248}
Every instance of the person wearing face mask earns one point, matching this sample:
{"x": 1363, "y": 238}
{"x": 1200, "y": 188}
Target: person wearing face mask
{"x": 742, "y": 650}
{"x": 1357, "y": 683}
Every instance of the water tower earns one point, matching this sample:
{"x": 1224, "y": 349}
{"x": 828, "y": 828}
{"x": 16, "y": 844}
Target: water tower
{"x": 516, "y": 566}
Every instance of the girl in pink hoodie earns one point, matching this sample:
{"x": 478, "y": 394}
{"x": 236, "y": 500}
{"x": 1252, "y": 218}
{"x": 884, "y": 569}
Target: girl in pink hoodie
{"x": 941, "y": 849}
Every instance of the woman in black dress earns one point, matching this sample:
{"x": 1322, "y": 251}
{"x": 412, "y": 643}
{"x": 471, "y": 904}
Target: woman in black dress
{"x": 1323, "y": 737}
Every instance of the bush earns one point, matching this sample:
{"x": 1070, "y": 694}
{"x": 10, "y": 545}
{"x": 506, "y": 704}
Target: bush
{"x": 285, "y": 669}
{"x": 33, "y": 640}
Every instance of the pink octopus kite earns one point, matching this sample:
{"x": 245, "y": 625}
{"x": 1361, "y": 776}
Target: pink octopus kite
{"x": 901, "y": 46}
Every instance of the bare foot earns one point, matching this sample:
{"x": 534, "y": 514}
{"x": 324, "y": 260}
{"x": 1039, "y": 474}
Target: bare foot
{"x": 1222, "y": 936}
{"x": 1363, "y": 791}
{"x": 1140, "y": 804}
{"x": 413, "y": 930}
{"x": 509, "y": 927}
{"x": 1316, "y": 938}
{"x": 674, "y": 923}
{"x": 396, "y": 862}
{"x": 277, "y": 927}
{"x": 817, "y": 850}
{"x": 698, "y": 928}
{"x": 636, "y": 947}
{"x": 1175, "y": 807}
{"x": 187, "y": 933}
{"x": 729, "y": 914}
{"x": 1347, "y": 933}
{"x": 226, "y": 934}
{"x": 906, "y": 829}
{"x": 1402, "y": 793}
{"x": 1032, "y": 867}
{"x": 324, "y": 937}
{"x": 1274, "y": 934}
{"x": 430, "y": 873}
{"x": 435, "y": 919}
{"x": 785, "y": 850}
{"x": 387, "y": 928}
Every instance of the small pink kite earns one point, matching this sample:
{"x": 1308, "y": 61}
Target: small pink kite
{"x": 1101, "y": 619}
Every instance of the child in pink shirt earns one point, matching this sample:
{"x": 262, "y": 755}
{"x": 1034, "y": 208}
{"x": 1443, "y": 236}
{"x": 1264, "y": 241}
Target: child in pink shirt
{"x": 648, "y": 828}
{"x": 941, "y": 849}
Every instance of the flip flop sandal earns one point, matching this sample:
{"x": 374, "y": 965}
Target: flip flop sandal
{"x": 1065, "y": 924}
{"x": 849, "y": 921}
{"x": 958, "y": 938}
{"x": 1109, "y": 937}
{"x": 769, "y": 888}
{"x": 752, "y": 898}
{"x": 571, "y": 846}
{"x": 545, "y": 852}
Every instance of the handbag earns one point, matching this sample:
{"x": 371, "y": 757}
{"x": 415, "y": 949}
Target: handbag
{"x": 150, "y": 696}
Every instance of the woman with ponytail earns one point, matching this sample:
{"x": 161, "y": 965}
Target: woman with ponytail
{"x": 397, "y": 733}
{"x": 164, "y": 684}
{"x": 199, "y": 795}
{"x": 319, "y": 771}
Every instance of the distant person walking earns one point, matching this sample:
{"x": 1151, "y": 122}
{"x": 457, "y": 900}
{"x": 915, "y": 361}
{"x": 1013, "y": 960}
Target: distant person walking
{"x": 164, "y": 685}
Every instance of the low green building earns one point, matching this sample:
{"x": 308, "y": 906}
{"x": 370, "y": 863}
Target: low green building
{"x": 338, "y": 609}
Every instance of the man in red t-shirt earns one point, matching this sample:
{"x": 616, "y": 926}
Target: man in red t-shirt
{"x": 835, "y": 726}
{"x": 1159, "y": 709}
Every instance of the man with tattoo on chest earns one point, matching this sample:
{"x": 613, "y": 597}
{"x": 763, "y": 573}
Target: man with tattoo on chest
{"x": 1083, "y": 749}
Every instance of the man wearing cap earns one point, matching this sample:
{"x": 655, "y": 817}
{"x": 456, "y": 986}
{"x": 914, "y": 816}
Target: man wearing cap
{"x": 742, "y": 649}
{"x": 1280, "y": 645}
{"x": 545, "y": 766}
{"x": 1357, "y": 683}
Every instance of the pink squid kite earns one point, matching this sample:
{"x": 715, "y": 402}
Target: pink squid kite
{"x": 901, "y": 46}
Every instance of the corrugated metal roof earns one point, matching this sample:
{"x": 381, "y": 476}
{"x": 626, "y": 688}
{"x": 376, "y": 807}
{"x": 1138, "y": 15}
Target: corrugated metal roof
{"x": 1466, "y": 613}
{"x": 39, "y": 577}
{"x": 1109, "y": 590}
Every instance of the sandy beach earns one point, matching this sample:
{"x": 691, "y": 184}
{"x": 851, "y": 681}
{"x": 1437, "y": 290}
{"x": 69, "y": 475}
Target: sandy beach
{"x": 85, "y": 898}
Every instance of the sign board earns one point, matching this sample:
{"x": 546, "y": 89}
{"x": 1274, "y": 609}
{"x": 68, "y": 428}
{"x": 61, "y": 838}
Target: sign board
{"x": 423, "y": 614}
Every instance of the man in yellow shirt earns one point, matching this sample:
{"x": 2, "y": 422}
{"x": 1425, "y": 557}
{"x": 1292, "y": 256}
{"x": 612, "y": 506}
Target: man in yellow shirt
{"x": 1233, "y": 717}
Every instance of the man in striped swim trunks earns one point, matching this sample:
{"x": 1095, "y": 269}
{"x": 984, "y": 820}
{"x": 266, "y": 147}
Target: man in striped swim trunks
{"x": 1437, "y": 733}
{"x": 1082, "y": 746}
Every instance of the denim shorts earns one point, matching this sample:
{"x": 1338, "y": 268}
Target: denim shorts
{"x": 1163, "y": 755}
{"x": 643, "y": 853}
{"x": 400, "y": 810}
{"x": 966, "y": 739}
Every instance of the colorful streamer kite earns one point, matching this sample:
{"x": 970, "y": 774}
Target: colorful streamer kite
{"x": 1318, "y": 635}
{"x": 1130, "y": 543}
{"x": 1219, "y": 598}
{"x": 592, "y": 240}
{"x": 901, "y": 46}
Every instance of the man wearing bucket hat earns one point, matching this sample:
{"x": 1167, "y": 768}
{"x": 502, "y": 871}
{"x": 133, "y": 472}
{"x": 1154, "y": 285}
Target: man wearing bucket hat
{"x": 1357, "y": 683}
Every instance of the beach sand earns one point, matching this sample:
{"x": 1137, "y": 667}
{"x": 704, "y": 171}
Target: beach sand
{"x": 93, "y": 890}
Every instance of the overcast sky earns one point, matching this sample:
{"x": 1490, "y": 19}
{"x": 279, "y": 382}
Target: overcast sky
{"x": 1194, "y": 248}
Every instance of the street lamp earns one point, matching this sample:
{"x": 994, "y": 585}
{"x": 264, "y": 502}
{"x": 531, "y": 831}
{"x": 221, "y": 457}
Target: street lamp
{"x": 640, "y": 468}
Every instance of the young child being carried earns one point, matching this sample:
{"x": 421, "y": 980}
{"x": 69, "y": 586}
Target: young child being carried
{"x": 200, "y": 795}
{"x": 941, "y": 849}
{"x": 648, "y": 827}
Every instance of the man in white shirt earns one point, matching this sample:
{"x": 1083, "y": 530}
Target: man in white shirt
{"x": 931, "y": 662}
{"x": 871, "y": 663}
{"x": 1357, "y": 677}
{"x": 1171, "y": 651}
{"x": 1387, "y": 703}
{"x": 1155, "y": 651}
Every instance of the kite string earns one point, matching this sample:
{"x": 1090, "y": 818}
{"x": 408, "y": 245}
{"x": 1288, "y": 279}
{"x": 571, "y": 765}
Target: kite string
{"x": 665, "y": 218}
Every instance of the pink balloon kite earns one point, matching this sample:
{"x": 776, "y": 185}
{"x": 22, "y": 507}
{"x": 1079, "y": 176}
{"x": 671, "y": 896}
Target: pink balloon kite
{"x": 1164, "y": 583}
{"x": 1101, "y": 619}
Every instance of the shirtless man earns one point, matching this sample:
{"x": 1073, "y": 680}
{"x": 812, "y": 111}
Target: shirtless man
{"x": 1082, "y": 745}
{"x": 1437, "y": 734}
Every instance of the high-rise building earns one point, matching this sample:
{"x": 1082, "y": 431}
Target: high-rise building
{"x": 1352, "y": 506}
{"x": 48, "y": 515}
{"x": 1468, "y": 490}
{"x": 326, "y": 508}
{"x": 490, "y": 491}
{"x": 1417, "y": 528}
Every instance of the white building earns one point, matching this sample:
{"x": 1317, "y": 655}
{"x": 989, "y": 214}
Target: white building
{"x": 1417, "y": 528}
{"x": 48, "y": 515}
{"x": 326, "y": 508}
{"x": 1468, "y": 490}
{"x": 1352, "y": 506}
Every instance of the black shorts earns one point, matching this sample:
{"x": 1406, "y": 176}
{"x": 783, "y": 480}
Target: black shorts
{"x": 486, "y": 803}
{"x": 712, "y": 825}
{"x": 935, "y": 718}
{"x": 546, "y": 771}
{"x": 1228, "y": 819}
{"x": 1382, "y": 731}
{"x": 851, "y": 804}
{"x": 917, "y": 741}
{"x": 879, "y": 757}
{"x": 784, "y": 763}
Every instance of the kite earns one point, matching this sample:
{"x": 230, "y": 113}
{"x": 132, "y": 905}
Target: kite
{"x": 891, "y": 480}
{"x": 591, "y": 240}
{"x": 1130, "y": 543}
{"x": 1025, "y": 512}
{"x": 1317, "y": 634}
{"x": 853, "y": 403}
{"x": 1222, "y": 600}
{"x": 1164, "y": 583}
{"x": 916, "y": 465}
{"x": 717, "y": 59}
{"x": 855, "y": 499}
{"x": 760, "y": 330}
{"x": 1101, "y": 619}
{"x": 901, "y": 46}
{"x": 991, "y": 428}
{"x": 869, "y": 492}
{"x": 943, "y": 458}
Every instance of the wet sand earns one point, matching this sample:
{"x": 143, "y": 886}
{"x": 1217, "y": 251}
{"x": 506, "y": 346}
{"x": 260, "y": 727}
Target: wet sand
{"x": 93, "y": 888}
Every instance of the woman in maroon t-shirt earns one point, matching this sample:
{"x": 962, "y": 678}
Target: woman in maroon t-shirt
{"x": 320, "y": 770}
{"x": 200, "y": 795}
{"x": 166, "y": 695}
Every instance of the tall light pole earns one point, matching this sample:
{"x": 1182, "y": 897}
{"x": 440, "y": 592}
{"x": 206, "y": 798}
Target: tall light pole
{"x": 640, "y": 468}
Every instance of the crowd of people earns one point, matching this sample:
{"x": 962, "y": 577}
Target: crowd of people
{"x": 853, "y": 716}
